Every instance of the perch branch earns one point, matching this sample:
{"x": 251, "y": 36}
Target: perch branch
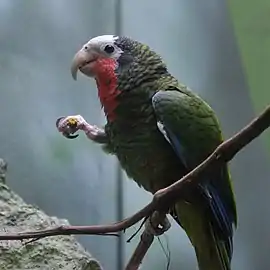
{"x": 162, "y": 198}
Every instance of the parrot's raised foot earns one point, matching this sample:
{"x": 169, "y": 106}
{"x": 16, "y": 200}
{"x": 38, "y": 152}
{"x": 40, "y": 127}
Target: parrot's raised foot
{"x": 160, "y": 229}
{"x": 69, "y": 125}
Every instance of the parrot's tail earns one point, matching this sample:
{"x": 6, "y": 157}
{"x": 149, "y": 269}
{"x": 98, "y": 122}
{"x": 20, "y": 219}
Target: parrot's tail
{"x": 212, "y": 254}
{"x": 211, "y": 251}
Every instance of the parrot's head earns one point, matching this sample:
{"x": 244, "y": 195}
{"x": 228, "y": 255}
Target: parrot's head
{"x": 118, "y": 64}
{"x": 105, "y": 54}
{"x": 96, "y": 53}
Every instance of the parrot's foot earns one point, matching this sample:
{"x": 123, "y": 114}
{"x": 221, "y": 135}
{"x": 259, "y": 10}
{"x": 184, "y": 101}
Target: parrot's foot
{"x": 71, "y": 124}
{"x": 161, "y": 228}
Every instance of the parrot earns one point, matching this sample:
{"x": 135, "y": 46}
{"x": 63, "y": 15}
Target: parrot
{"x": 159, "y": 130}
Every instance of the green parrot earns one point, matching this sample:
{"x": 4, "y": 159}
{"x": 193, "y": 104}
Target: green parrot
{"x": 159, "y": 130}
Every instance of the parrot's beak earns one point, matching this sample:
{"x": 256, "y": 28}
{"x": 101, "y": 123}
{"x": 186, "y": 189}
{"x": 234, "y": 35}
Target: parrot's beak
{"x": 82, "y": 61}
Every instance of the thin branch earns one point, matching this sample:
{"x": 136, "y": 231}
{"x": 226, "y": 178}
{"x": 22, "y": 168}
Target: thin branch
{"x": 162, "y": 198}
{"x": 88, "y": 230}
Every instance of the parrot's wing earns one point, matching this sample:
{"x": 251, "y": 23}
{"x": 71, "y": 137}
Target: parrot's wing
{"x": 192, "y": 129}
{"x": 189, "y": 124}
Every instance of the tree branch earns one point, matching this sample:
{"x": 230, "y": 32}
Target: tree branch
{"x": 162, "y": 198}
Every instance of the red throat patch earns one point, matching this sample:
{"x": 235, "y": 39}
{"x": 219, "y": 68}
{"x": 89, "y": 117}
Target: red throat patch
{"x": 107, "y": 85}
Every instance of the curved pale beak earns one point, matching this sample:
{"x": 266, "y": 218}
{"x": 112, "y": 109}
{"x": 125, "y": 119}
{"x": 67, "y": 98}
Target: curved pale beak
{"x": 80, "y": 59}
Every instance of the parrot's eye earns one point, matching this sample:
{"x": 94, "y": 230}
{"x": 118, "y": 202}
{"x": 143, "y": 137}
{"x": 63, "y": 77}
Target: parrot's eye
{"x": 109, "y": 49}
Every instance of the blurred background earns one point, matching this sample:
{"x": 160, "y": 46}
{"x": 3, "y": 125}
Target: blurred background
{"x": 218, "y": 48}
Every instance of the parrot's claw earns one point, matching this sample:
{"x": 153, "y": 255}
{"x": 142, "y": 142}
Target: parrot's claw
{"x": 70, "y": 125}
{"x": 157, "y": 230}
{"x": 67, "y": 135}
